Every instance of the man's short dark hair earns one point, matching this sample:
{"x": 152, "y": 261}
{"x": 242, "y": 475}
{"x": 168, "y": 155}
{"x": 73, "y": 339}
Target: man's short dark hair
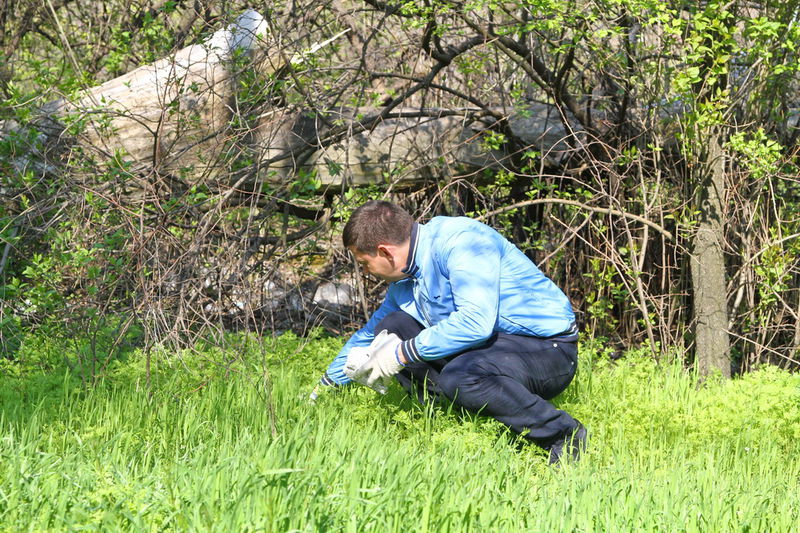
{"x": 377, "y": 222}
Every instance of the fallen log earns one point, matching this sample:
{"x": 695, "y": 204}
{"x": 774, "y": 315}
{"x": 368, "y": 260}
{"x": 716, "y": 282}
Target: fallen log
{"x": 412, "y": 145}
{"x": 174, "y": 117}
{"x": 171, "y": 115}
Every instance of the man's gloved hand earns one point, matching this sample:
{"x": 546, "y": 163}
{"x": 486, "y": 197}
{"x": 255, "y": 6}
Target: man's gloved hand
{"x": 357, "y": 358}
{"x": 382, "y": 363}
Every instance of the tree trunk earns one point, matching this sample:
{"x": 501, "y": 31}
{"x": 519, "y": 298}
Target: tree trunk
{"x": 174, "y": 113}
{"x": 712, "y": 345}
{"x": 176, "y": 117}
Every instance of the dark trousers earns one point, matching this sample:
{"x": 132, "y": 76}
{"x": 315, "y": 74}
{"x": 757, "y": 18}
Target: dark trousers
{"x": 510, "y": 378}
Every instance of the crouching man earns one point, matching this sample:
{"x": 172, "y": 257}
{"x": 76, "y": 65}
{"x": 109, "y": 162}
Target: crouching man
{"x": 466, "y": 316}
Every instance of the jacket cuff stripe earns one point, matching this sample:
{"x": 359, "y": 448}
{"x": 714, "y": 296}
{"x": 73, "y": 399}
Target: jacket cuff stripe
{"x": 410, "y": 351}
{"x": 327, "y": 381}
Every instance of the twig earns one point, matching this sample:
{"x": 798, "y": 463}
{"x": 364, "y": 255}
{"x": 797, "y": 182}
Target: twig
{"x": 601, "y": 210}
{"x": 7, "y": 250}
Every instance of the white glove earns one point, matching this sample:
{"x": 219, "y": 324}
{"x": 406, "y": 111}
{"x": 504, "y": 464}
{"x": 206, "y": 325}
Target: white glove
{"x": 357, "y": 358}
{"x": 382, "y": 363}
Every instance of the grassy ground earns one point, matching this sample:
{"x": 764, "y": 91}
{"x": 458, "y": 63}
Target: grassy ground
{"x": 226, "y": 441}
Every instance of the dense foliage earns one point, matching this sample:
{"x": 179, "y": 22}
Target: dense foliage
{"x": 226, "y": 439}
{"x": 668, "y": 211}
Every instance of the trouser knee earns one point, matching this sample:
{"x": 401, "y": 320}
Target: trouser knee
{"x": 462, "y": 388}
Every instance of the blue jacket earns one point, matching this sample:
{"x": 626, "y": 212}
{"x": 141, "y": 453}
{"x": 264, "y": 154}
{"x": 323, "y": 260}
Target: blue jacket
{"x": 466, "y": 282}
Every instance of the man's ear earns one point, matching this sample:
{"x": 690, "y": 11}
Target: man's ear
{"x": 386, "y": 252}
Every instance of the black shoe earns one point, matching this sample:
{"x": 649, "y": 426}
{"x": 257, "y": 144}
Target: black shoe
{"x": 569, "y": 447}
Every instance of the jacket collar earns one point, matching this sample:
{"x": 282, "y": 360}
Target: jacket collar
{"x": 412, "y": 268}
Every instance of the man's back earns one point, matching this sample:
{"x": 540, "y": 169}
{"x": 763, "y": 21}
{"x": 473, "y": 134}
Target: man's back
{"x": 460, "y": 262}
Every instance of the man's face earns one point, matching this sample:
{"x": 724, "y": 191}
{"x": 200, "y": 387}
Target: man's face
{"x": 384, "y": 264}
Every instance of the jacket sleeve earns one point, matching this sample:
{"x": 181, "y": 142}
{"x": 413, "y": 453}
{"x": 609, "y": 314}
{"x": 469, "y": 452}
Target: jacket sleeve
{"x": 363, "y": 337}
{"x": 472, "y": 264}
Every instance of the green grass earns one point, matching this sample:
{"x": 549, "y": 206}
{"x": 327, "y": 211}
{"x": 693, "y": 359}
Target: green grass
{"x": 226, "y": 441}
